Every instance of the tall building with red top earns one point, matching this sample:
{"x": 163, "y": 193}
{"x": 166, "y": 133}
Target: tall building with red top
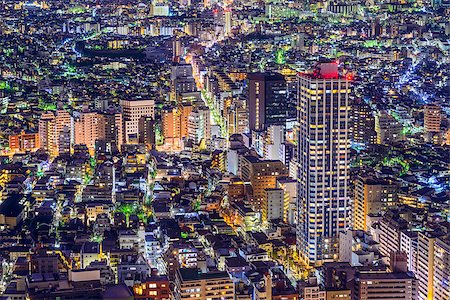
{"x": 323, "y": 152}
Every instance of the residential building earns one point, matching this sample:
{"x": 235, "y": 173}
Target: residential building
{"x": 372, "y": 196}
{"x": 323, "y": 161}
{"x": 191, "y": 283}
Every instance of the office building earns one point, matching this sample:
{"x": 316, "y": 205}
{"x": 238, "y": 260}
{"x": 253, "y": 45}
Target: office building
{"x": 432, "y": 118}
{"x": 323, "y": 161}
{"x": 426, "y": 264}
{"x": 268, "y": 101}
{"x": 55, "y": 132}
{"x": 155, "y": 287}
{"x": 146, "y": 130}
{"x": 110, "y": 132}
{"x": 384, "y": 285}
{"x": 132, "y": 111}
{"x": 237, "y": 117}
{"x": 432, "y": 123}
{"x": 273, "y": 140}
{"x": 390, "y": 228}
{"x": 182, "y": 81}
{"x": 24, "y": 142}
{"x": 175, "y": 125}
{"x": 441, "y": 277}
{"x": 362, "y": 129}
{"x": 408, "y": 245}
{"x": 289, "y": 187}
{"x": 273, "y": 205}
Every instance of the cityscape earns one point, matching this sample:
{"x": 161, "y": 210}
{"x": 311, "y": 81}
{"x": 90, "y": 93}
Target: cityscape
{"x": 225, "y": 149}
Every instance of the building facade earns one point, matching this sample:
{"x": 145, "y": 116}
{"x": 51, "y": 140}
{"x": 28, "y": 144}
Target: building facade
{"x": 323, "y": 161}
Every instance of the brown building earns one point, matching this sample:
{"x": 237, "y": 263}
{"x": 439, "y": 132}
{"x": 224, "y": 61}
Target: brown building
{"x": 236, "y": 189}
{"x": 432, "y": 118}
{"x": 44, "y": 264}
{"x": 175, "y": 124}
{"x": 24, "y": 142}
{"x": 432, "y": 123}
{"x": 155, "y": 288}
{"x": 372, "y": 196}
{"x": 146, "y": 131}
{"x": 384, "y": 285}
{"x": 262, "y": 175}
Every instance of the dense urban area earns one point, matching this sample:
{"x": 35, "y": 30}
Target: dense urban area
{"x": 225, "y": 149}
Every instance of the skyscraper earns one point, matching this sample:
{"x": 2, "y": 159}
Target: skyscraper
{"x": 268, "y": 100}
{"x": 323, "y": 157}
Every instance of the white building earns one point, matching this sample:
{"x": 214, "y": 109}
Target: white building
{"x": 273, "y": 205}
{"x": 272, "y": 144}
{"x": 133, "y": 110}
{"x": 199, "y": 125}
{"x": 408, "y": 245}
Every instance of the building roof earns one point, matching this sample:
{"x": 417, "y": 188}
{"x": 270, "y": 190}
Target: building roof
{"x": 192, "y": 274}
{"x": 11, "y": 207}
{"x": 385, "y": 276}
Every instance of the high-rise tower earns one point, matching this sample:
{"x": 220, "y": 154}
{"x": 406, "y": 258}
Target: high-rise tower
{"x": 323, "y": 161}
